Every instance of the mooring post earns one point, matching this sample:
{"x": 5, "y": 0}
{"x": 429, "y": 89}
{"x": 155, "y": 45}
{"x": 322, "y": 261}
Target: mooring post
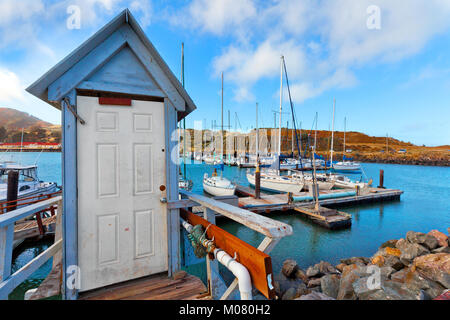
{"x": 257, "y": 182}
{"x": 13, "y": 188}
{"x": 381, "y": 179}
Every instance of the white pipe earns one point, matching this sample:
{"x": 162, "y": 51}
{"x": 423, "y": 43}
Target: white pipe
{"x": 239, "y": 271}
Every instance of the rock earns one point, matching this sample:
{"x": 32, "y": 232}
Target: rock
{"x": 320, "y": 269}
{"x": 301, "y": 290}
{"x": 361, "y": 288}
{"x": 301, "y": 274}
{"x": 441, "y": 250}
{"x": 314, "y": 283}
{"x": 315, "y": 296}
{"x": 400, "y": 276}
{"x": 289, "y": 294}
{"x": 313, "y": 271}
{"x": 428, "y": 241}
{"x": 355, "y": 260}
{"x": 289, "y": 267}
{"x": 435, "y": 267}
{"x": 350, "y": 274}
{"x": 412, "y": 251}
{"x": 330, "y": 285}
{"x": 440, "y": 237}
{"x": 393, "y": 251}
{"x": 389, "y": 244}
{"x": 340, "y": 266}
{"x": 378, "y": 260}
{"x": 387, "y": 271}
{"x": 401, "y": 244}
{"x": 394, "y": 262}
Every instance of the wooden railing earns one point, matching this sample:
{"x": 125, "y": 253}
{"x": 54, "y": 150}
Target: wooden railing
{"x": 273, "y": 231}
{"x": 13, "y": 204}
{"x": 8, "y": 281}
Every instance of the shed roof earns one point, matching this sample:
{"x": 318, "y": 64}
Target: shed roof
{"x": 78, "y": 69}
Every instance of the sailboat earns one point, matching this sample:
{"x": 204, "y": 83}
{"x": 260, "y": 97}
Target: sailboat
{"x": 183, "y": 182}
{"x": 272, "y": 180}
{"x": 218, "y": 185}
{"x": 346, "y": 165}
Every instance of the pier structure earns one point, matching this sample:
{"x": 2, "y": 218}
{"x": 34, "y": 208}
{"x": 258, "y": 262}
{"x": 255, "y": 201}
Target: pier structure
{"x": 119, "y": 232}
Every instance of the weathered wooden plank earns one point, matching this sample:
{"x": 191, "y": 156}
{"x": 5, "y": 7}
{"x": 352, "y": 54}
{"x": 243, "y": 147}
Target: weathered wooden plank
{"x": 172, "y": 175}
{"x": 70, "y": 194}
{"x": 6, "y": 248}
{"x": 265, "y": 246}
{"x": 258, "y": 264}
{"x": 179, "y": 204}
{"x": 24, "y": 212}
{"x": 27, "y": 270}
{"x": 158, "y": 287}
{"x": 269, "y": 227}
{"x": 86, "y": 66}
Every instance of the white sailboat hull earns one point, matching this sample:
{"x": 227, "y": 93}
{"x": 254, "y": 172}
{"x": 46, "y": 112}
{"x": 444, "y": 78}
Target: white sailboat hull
{"x": 276, "y": 184}
{"x": 347, "y": 166}
{"x": 218, "y": 186}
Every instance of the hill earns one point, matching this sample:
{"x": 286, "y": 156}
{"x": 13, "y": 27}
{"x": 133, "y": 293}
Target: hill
{"x": 34, "y": 129}
{"x": 12, "y": 119}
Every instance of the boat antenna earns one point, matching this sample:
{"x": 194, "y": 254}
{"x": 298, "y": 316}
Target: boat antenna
{"x": 221, "y": 148}
{"x": 37, "y": 158}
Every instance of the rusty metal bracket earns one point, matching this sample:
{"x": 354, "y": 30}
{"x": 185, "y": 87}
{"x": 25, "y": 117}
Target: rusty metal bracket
{"x": 69, "y": 106}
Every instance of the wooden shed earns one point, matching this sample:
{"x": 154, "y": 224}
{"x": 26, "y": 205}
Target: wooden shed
{"x": 120, "y": 105}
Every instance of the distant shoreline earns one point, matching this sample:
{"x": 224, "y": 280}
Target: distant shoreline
{"x": 30, "y": 150}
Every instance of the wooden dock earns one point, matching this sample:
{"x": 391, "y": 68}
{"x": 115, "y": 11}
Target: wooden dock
{"x": 282, "y": 202}
{"x": 329, "y": 218}
{"x": 30, "y": 229}
{"x": 157, "y": 287}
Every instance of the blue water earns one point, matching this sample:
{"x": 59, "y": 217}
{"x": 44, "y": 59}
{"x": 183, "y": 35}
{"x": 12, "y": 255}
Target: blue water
{"x": 423, "y": 206}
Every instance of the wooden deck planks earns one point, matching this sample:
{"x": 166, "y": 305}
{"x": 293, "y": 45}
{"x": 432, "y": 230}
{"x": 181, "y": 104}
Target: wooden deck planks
{"x": 158, "y": 287}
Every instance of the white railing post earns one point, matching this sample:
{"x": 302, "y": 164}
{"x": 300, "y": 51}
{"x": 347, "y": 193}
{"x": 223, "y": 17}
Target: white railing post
{"x": 6, "y": 247}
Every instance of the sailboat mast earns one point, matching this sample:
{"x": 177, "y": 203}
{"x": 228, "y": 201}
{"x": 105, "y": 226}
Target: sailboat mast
{"x": 184, "y": 119}
{"x": 315, "y": 133}
{"x": 332, "y": 134}
{"x": 281, "y": 106}
{"x": 257, "y": 135}
{"x": 345, "y": 129}
{"x": 221, "y": 147}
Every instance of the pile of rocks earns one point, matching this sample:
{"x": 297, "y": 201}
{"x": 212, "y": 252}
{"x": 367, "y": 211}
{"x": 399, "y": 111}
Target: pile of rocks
{"x": 416, "y": 267}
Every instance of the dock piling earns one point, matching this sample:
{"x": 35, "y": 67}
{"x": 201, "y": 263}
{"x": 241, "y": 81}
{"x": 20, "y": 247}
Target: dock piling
{"x": 257, "y": 183}
{"x": 381, "y": 186}
{"x": 13, "y": 189}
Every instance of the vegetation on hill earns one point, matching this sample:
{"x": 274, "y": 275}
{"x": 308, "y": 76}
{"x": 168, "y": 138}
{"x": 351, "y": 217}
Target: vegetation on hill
{"x": 34, "y": 130}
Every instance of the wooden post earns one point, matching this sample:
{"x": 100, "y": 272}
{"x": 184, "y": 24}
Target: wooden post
{"x": 13, "y": 188}
{"x": 381, "y": 179}
{"x": 257, "y": 182}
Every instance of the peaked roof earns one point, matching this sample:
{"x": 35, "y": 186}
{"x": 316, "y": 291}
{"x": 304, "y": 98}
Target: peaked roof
{"x": 40, "y": 88}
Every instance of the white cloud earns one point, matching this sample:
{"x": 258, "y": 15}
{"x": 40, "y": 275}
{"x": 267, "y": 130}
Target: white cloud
{"x": 216, "y": 16}
{"x": 11, "y": 89}
{"x": 324, "y": 42}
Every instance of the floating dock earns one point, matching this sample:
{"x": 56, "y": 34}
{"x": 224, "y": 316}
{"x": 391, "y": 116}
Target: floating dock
{"x": 300, "y": 202}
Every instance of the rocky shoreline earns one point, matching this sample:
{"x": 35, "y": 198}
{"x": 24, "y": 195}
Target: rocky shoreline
{"x": 416, "y": 267}
{"x": 444, "y": 162}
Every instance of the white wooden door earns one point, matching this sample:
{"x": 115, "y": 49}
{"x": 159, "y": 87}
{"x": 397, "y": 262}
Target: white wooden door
{"x": 122, "y": 225}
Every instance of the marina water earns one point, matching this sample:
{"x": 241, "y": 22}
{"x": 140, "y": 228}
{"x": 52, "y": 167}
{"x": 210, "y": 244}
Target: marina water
{"x": 423, "y": 207}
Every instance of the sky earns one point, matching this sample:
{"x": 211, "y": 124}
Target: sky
{"x": 387, "y": 63}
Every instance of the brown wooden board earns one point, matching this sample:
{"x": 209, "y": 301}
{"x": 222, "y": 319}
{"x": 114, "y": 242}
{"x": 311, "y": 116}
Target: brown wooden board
{"x": 258, "y": 263}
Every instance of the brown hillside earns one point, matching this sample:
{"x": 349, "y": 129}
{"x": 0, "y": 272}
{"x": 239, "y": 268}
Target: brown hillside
{"x": 12, "y": 119}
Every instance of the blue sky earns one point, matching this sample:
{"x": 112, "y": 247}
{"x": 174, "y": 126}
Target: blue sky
{"x": 393, "y": 80}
